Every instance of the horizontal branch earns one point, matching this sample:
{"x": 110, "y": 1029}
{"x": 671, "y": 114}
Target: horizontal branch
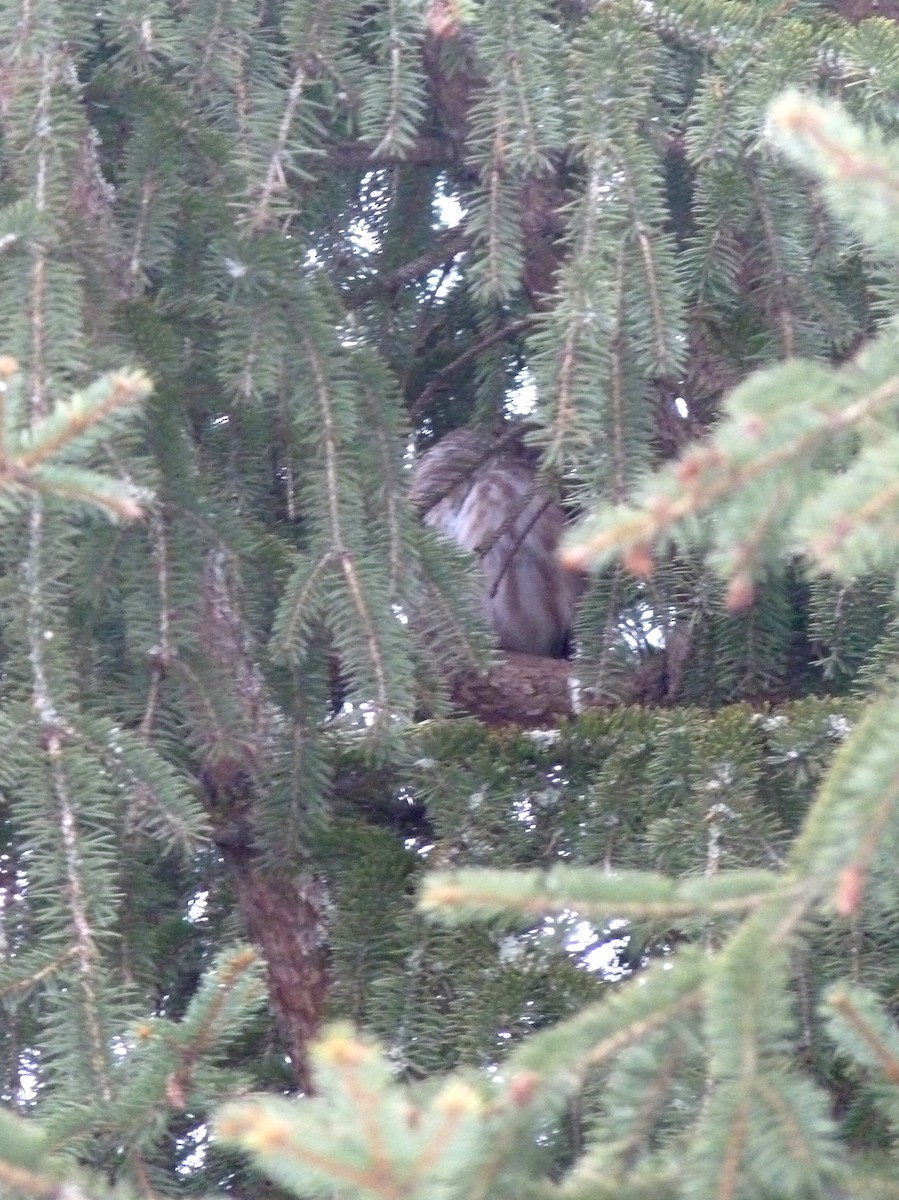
{"x": 531, "y": 691}
{"x": 427, "y": 152}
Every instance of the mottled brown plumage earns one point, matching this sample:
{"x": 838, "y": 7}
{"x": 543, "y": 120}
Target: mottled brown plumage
{"x": 490, "y": 501}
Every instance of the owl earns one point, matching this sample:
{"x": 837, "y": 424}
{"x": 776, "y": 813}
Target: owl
{"x": 491, "y": 502}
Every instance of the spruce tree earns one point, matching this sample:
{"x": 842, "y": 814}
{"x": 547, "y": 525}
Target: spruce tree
{"x": 269, "y": 901}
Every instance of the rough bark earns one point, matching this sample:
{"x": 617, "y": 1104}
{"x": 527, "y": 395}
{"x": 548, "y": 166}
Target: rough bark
{"x": 282, "y": 905}
{"x": 284, "y": 916}
{"x": 525, "y": 690}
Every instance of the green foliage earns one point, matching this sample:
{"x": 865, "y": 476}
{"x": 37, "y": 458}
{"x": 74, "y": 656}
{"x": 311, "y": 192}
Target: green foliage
{"x": 651, "y": 953}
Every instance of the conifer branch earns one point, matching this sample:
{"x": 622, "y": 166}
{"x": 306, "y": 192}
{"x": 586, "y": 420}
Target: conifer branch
{"x": 440, "y": 379}
{"x": 302, "y": 602}
{"x": 640, "y": 1030}
{"x": 650, "y": 274}
{"x": 746, "y": 450}
{"x": 394, "y": 496}
{"x": 363, "y": 609}
{"x": 161, "y": 655}
{"x": 87, "y": 954}
{"x": 396, "y": 117}
{"x": 574, "y": 312}
{"x": 43, "y": 128}
{"x": 426, "y": 151}
{"x": 147, "y": 192}
{"x": 139, "y": 1168}
{"x": 348, "y": 565}
{"x": 634, "y": 896}
{"x": 275, "y": 175}
{"x": 37, "y": 1184}
{"x": 872, "y": 1029}
{"x": 616, "y": 388}
{"x": 54, "y": 732}
{"x": 779, "y": 289}
{"x": 495, "y": 189}
{"x": 71, "y": 419}
{"x": 47, "y": 970}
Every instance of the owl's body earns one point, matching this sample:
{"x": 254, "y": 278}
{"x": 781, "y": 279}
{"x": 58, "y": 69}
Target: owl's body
{"x": 493, "y": 504}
